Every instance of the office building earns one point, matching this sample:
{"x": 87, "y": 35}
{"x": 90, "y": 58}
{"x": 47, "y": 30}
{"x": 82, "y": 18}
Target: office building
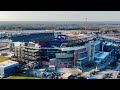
{"x": 66, "y": 56}
{"x": 27, "y": 51}
{"x": 102, "y": 57}
{"x": 92, "y": 47}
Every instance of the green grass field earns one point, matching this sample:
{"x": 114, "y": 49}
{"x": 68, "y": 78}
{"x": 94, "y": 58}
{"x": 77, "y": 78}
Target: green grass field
{"x": 3, "y": 58}
{"x": 16, "y": 76}
{"x": 21, "y": 76}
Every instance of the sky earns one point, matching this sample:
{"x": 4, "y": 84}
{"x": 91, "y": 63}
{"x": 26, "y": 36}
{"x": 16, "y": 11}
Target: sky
{"x": 59, "y": 15}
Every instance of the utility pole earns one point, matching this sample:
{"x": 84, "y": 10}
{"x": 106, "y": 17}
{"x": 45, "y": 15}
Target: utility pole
{"x": 85, "y": 23}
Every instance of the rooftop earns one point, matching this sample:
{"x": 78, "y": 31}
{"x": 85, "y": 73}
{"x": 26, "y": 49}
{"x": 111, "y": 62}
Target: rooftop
{"x": 72, "y": 48}
{"x": 17, "y": 43}
{"x": 95, "y": 42}
{"x": 2, "y": 32}
{"x": 108, "y": 43}
{"x": 101, "y": 55}
{"x": 7, "y": 63}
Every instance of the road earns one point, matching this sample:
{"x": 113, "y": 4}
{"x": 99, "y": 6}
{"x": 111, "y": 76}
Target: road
{"x": 99, "y": 67}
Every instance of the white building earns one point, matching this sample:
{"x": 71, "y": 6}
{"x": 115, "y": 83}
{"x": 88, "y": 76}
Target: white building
{"x": 5, "y": 44}
{"x": 8, "y": 67}
{"x": 2, "y": 34}
{"x": 102, "y": 57}
{"x": 28, "y": 51}
{"x": 92, "y": 47}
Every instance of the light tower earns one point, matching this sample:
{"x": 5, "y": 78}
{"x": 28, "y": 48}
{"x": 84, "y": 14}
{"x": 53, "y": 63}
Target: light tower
{"x": 84, "y": 25}
{"x": 85, "y": 22}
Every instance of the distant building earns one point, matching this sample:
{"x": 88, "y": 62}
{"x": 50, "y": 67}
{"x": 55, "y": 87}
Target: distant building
{"x": 44, "y": 36}
{"x": 52, "y": 43}
{"x": 2, "y": 34}
{"x": 5, "y": 44}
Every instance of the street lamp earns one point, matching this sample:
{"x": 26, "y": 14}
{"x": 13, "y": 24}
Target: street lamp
{"x": 102, "y": 46}
{"x": 96, "y": 68}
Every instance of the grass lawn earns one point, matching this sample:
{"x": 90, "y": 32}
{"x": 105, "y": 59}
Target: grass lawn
{"x": 21, "y": 76}
{"x": 3, "y": 58}
{"x": 16, "y": 76}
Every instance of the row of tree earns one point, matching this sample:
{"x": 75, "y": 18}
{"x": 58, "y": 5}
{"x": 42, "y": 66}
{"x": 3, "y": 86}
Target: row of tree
{"x": 46, "y": 27}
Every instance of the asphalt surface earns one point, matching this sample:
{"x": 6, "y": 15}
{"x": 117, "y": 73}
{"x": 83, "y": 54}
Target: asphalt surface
{"x": 99, "y": 67}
